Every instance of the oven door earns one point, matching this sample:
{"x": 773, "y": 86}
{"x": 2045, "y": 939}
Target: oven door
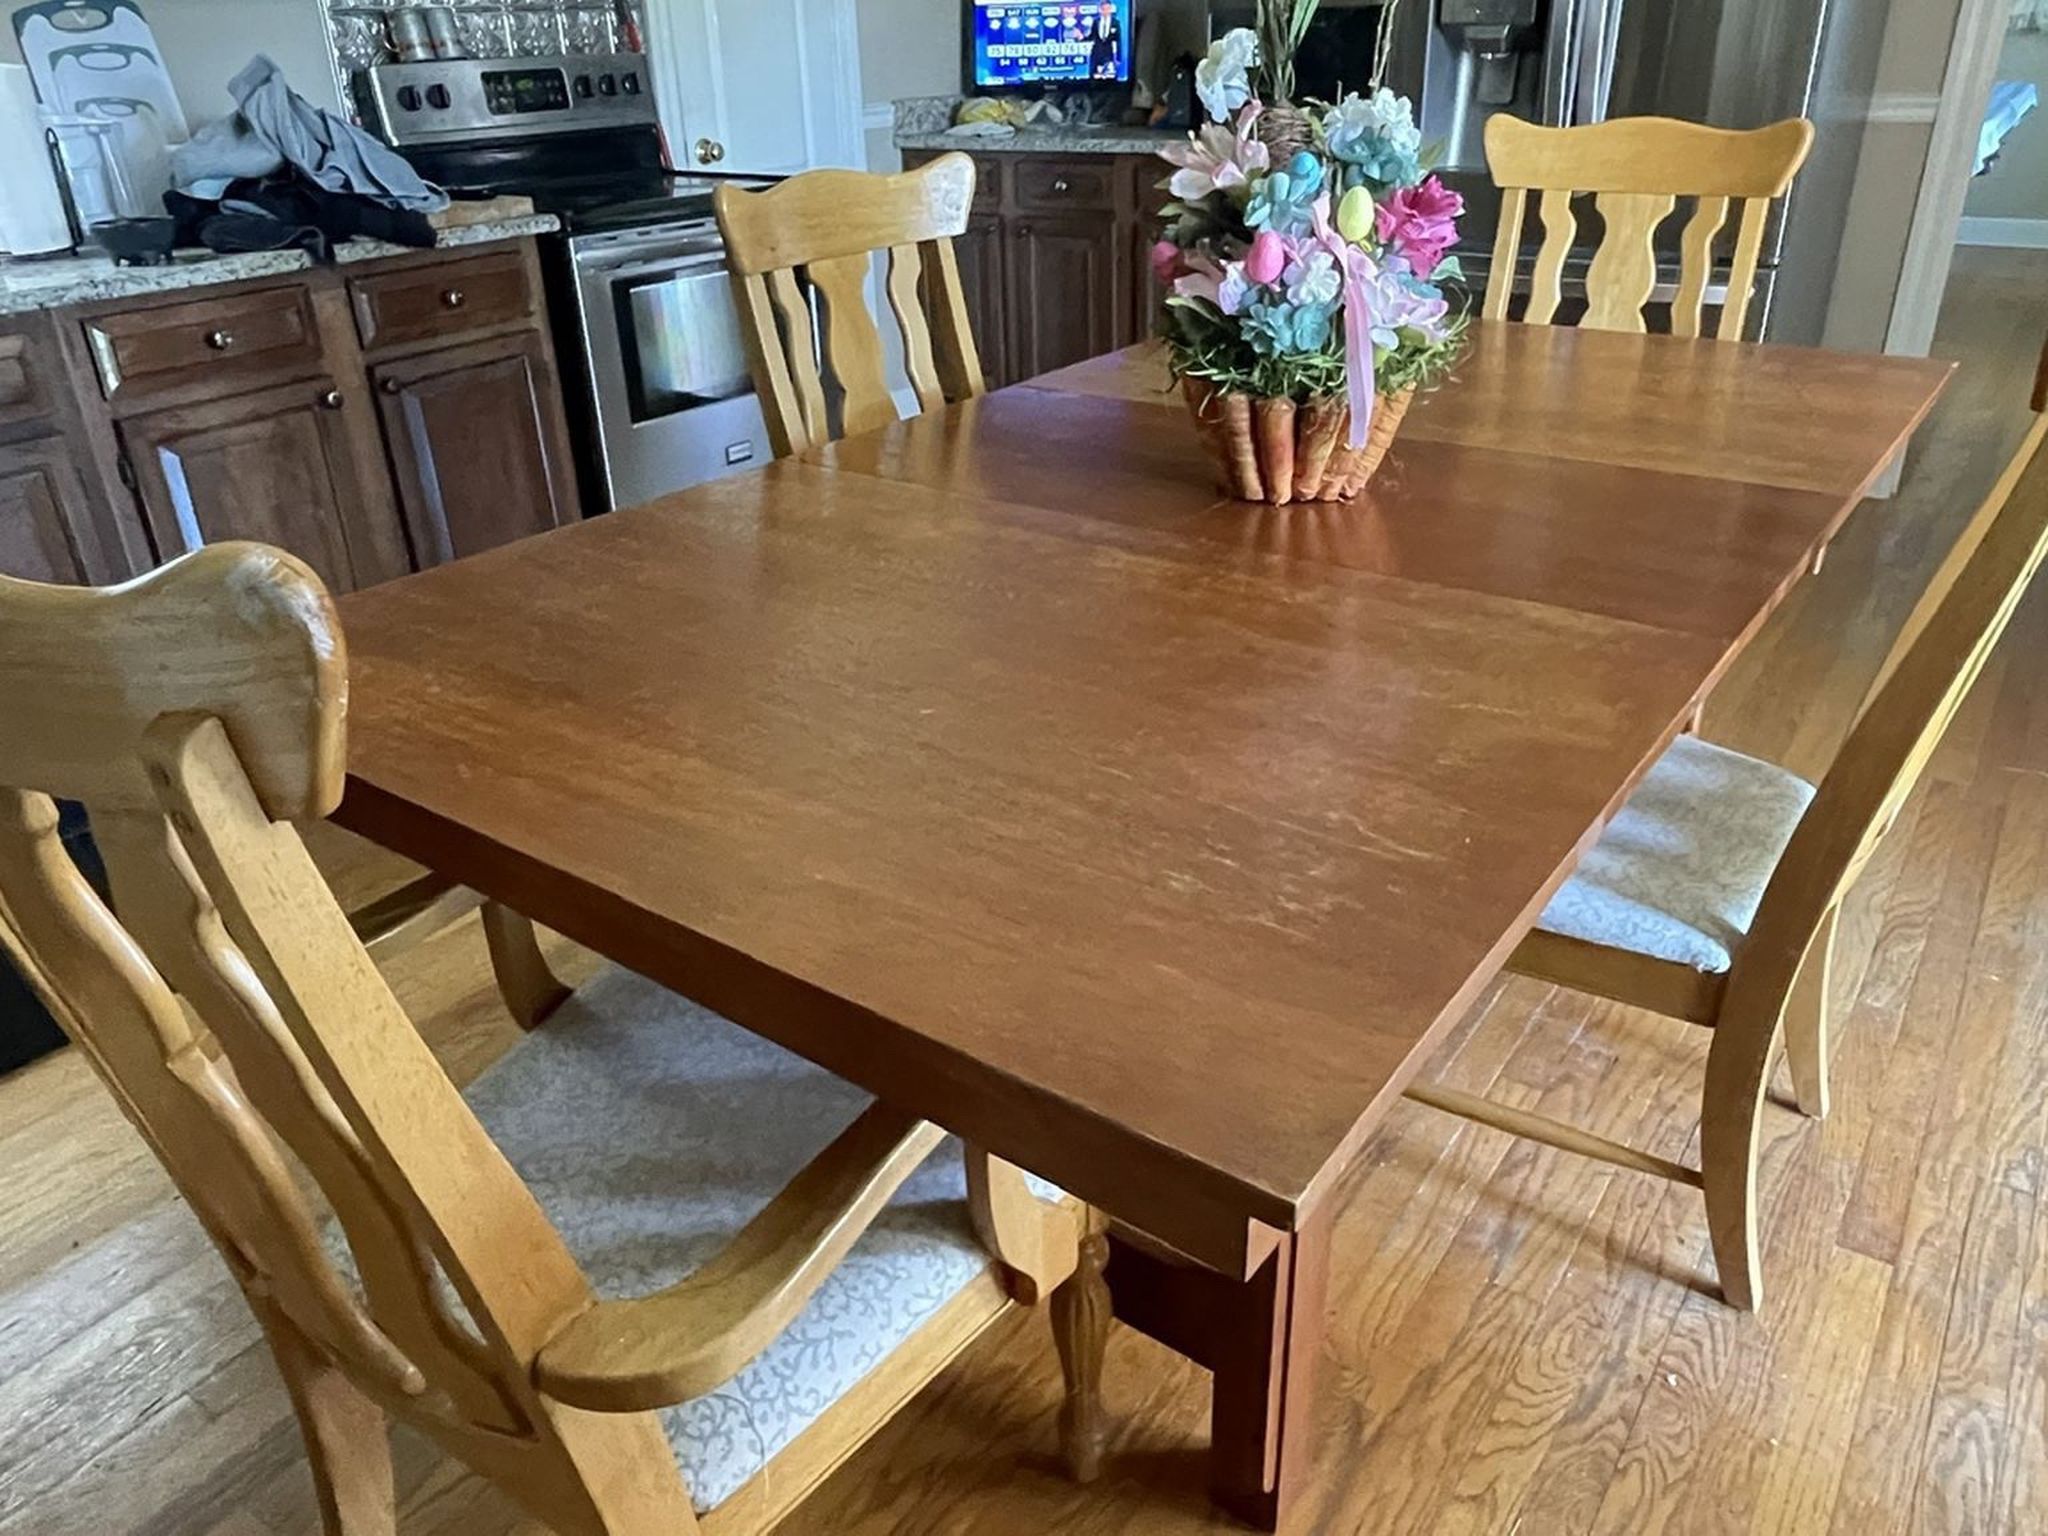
{"x": 673, "y": 397}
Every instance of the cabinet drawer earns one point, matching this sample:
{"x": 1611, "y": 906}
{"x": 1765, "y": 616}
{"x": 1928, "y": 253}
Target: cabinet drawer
{"x": 1063, "y": 186}
{"x": 26, "y": 379}
{"x": 443, "y": 300}
{"x": 143, "y": 352}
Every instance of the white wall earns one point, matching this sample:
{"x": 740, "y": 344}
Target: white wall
{"x": 205, "y": 42}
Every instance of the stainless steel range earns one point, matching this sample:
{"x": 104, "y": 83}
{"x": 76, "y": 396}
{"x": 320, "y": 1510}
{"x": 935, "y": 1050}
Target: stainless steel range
{"x": 656, "y": 372}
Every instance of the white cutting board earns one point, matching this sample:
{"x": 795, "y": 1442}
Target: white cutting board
{"x": 98, "y": 58}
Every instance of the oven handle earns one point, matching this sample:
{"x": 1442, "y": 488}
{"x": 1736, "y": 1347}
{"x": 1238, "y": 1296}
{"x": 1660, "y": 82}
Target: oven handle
{"x": 656, "y": 265}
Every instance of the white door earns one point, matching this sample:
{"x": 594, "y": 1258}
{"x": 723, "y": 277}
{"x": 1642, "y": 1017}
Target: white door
{"x": 764, "y": 87}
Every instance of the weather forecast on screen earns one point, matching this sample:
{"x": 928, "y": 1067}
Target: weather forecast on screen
{"x": 1040, "y": 43}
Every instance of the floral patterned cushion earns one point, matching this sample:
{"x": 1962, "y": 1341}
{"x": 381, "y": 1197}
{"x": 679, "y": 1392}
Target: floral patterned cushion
{"x": 652, "y": 1130}
{"x": 1681, "y": 869}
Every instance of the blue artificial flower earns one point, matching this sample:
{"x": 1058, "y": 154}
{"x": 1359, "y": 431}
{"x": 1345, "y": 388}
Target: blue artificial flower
{"x": 1284, "y": 201}
{"x": 1276, "y": 328}
{"x": 1376, "y": 137}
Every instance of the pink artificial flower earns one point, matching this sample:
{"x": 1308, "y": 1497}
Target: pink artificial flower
{"x": 1268, "y": 258}
{"x": 1201, "y": 278}
{"x": 1217, "y": 159}
{"x": 1421, "y": 224}
{"x": 1166, "y": 263}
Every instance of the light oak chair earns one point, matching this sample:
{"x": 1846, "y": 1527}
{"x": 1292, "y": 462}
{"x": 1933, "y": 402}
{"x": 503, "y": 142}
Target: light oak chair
{"x": 818, "y": 233}
{"x": 641, "y": 1207}
{"x": 1713, "y": 895}
{"x": 1636, "y": 169}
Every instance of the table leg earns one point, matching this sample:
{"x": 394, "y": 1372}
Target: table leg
{"x": 1262, "y": 1339}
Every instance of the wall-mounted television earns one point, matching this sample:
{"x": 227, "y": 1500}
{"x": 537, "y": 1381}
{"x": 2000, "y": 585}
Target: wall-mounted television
{"x": 1021, "y": 44}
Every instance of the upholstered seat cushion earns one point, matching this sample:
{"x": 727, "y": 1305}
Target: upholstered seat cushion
{"x": 1681, "y": 869}
{"x": 652, "y": 1130}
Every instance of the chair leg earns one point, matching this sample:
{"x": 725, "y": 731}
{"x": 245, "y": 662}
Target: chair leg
{"x": 348, "y": 1442}
{"x": 1806, "y": 1021}
{"x": 531, "y": 990}
{"x": 1080, "y": 1328}
{"x": 1731, "y": 1122}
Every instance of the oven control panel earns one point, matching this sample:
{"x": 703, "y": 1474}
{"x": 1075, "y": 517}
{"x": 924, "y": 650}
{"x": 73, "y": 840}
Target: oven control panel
{"x": 467, "y": 100}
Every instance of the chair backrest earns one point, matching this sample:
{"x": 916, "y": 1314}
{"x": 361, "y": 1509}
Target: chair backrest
{"x": 1950, "y": 638}
{"x": 196, "y": 712}
{"x": 1636, "y": 169}
{"x": 818, "y": 233}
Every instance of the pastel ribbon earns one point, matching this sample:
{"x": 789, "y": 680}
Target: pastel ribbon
{"x": 1361, "y": 274}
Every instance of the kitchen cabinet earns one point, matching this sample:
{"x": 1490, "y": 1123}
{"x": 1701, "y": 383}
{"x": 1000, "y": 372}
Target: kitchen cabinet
{"x": 273, "y": 466}
{"x": 1056, "y": 260}
{"x": 55, "y": 522}
{"x": 1065, "y": 302}
{"x": 42, "y": 507}
{"x": 984, "y": 279}
{"x": 373, "y": 419}
{"x": 479, "y": 457}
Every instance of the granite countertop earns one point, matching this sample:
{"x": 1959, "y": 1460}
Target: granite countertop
{"x": 58, "y": 280}
{"x": 1108, "y": 140}
{"x": 921, "y": 123}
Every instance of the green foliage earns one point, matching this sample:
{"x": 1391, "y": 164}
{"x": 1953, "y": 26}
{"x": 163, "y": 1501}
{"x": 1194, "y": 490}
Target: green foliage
{"x": 1282, "y": 24}
{"x": 1204, "y": 343}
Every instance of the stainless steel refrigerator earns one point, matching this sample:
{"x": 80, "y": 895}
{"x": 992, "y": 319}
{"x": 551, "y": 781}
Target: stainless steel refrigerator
{"x": 1732, "y": 63}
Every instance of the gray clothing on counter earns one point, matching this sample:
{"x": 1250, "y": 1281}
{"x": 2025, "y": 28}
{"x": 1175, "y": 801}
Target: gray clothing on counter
{"x": 276, "y": 127}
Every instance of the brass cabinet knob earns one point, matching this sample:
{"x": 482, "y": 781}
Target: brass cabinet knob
{"x": 709, "y": 151}
{"x": 220, "y": 341}
{"x": 454, "y": 298}
{"x": 333, "y": 400}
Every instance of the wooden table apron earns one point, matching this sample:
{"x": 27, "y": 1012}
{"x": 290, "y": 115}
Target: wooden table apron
{"x": 1148, "y": 839}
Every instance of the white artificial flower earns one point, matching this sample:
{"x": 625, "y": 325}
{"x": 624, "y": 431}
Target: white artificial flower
{"x": 1313, "y": 279}
{"x": 1382, "y": 116}
{"x": 1223, "y": 79}
{"x": 1235, "y": 291}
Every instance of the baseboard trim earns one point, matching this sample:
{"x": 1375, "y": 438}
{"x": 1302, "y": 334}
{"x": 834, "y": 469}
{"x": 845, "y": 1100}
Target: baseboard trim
{"x": 2014, "y": 234}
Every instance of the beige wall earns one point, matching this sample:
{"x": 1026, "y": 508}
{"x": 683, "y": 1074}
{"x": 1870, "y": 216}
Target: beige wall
{"x": 1918, "y": 37}
{"x": 2017, "y": 186}
{"x": 205, "y": 42}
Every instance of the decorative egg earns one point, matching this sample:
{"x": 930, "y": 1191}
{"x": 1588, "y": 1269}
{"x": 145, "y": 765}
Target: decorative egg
{"x": 1356, "y": 216}
{"x": 1267, "y": 259}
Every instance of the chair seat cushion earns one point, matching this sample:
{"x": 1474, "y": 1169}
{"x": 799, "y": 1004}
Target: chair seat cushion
{"x": 1680, "y": 871}
{"x": 651, "y": 1131}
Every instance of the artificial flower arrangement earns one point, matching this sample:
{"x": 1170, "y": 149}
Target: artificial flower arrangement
{"x": 1304, "y": 252}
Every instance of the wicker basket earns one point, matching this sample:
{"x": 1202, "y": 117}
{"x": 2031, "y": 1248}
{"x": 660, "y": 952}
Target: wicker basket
{"x": 1286, "y": 130}
{"x": 1278, "y": 452}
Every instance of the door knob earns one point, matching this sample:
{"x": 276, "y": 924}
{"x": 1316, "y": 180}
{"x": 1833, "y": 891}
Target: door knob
{"x": 709, "y": 151}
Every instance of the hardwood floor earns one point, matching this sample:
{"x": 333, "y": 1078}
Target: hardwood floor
{"x": 1523, "y": 1342}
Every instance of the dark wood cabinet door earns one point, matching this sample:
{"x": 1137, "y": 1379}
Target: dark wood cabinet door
{"x": 979, "y": 255}
{"x": 1148, "y": 304}
{"x": 478, "y": 444}
{"x": 275, "y": 466}
{"x": 1067, "y": 290}
{"x": 42, "y": 510}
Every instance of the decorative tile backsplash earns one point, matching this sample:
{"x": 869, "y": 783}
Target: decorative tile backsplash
{"x": 491, "y": 29}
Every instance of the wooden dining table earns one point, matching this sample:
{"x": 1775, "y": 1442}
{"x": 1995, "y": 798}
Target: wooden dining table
{"x": 1150, "y": 840}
